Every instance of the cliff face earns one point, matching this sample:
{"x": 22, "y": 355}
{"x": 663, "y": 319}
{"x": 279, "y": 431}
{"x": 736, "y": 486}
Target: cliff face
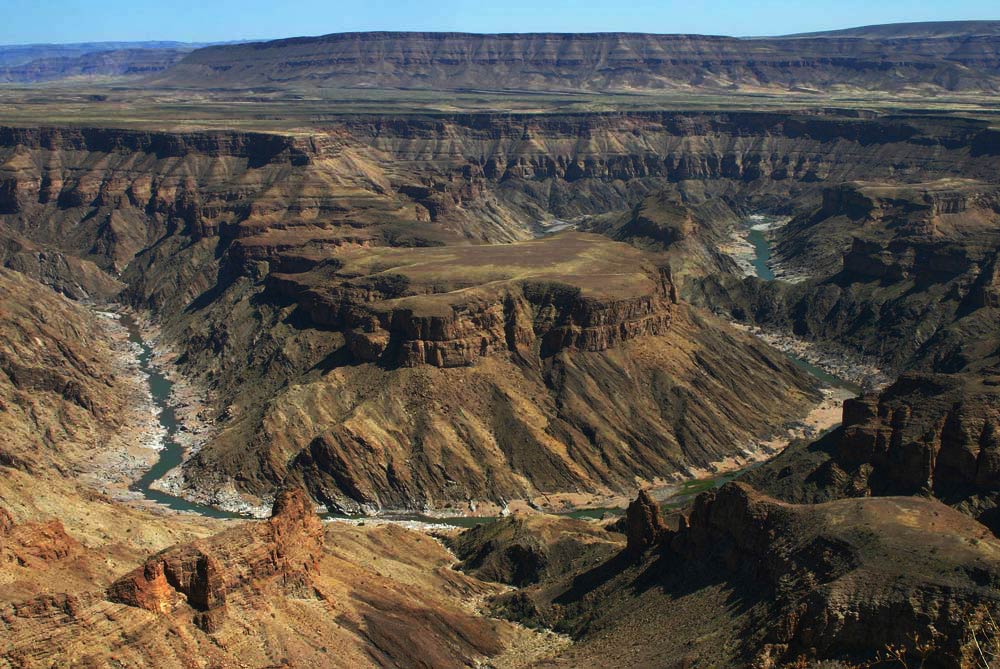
{"x": 599, "y": 61}
{"x": 284, "y": 550}
{"x": 376, "y": 597}
{"x": 902, "y": 273}
{"x": 446, "y": 316}
{"x": 268, "y": 259}
{"x": 830, "y": 582}
{"x": 749, "y": 581}
{"x": 926, "y": 434}
{"x": 104, "y": 194}
{"x": 474, "y": 174}
{"x": 505, "y": 371}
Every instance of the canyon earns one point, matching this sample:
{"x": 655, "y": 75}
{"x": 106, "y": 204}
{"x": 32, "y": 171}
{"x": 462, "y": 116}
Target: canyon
{"x": 417, "y": 361}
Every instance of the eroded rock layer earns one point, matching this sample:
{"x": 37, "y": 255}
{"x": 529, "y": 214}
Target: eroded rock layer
{"x": 268, "y": 259}
{"x": 749, "y": 581}
{"x": 934, "y": 60}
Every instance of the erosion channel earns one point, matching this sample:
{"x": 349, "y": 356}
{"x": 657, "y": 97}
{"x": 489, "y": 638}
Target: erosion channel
{"x": 172, "y": 454}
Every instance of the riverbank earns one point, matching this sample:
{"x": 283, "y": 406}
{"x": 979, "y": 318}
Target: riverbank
{"x": 135, "y": 448}
{"x": 186, "y": 423}
{"x": 749, "y": 246}
{"x": 176, "y": 422}
{"x": 861, "y": 375}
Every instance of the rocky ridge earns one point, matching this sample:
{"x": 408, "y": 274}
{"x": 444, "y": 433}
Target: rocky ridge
{"x": 747, "y": 580}
{"x": 600, "y": 61}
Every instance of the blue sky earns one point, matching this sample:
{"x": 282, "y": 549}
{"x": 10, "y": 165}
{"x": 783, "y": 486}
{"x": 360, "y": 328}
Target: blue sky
{"x": 29, "y": 21}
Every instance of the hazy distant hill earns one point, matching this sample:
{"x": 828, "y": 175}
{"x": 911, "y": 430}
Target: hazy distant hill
{"x": 964, "y": 56}
{"x": 925, "y": 29}
{"x": 30, "y": 63}
{"x": 118, "y": 63}
{"x": 19, "y": 54}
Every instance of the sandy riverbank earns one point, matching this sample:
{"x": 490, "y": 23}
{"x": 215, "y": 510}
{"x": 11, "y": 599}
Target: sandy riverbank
{"x": 136, "y": 445}
{"x": 137, "y": 448}
{"x": 843, "y": 364}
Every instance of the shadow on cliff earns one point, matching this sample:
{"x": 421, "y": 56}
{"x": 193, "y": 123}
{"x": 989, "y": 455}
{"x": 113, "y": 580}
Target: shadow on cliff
{"x": 659, "y": 574}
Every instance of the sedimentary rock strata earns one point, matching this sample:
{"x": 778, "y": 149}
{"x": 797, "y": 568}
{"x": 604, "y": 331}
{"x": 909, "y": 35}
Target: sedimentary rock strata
{"x": 602, "y": 61}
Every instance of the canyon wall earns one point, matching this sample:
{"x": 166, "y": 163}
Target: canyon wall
{"x": 601, "y": 62}
{"x": 288, "y": 268}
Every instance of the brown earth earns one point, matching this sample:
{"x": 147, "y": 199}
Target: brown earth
{"x": 963, "y": 58}
{"x": 280, "y": 592}
{"x": 747, "y": 580}
{"x": 257, "y": 251}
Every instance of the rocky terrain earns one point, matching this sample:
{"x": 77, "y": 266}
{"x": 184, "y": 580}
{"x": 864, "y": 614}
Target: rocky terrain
{"x": 287, "y": 267}
{"x": 742, "y": 579}
{"x": 479, "y": 314}
{"x": 962, "y": 59}
{"x": 283, "y": 591}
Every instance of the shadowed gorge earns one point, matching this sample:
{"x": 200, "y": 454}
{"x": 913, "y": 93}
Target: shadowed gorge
{"x": 527, "y": 350}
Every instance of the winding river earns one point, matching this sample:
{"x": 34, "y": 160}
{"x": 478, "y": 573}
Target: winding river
{"x": 172, "y": 453}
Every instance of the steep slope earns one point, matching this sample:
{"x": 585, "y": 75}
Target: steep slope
{"x": 748, "y": 581}
{"x": 926, "y": 434}
{"x": 903, "y": 273}
{"x": 247, "y": 247}
{"x": 961, "y": 60}
{"x": 564, "y": 364}
{"x": 285, "y": 591}
{"x": 98, "y": 580}
{"x": 70, "y": 415}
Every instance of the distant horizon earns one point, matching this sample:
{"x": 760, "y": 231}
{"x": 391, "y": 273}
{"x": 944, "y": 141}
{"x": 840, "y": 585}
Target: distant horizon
{"x": 73, "y": 22}
{"x": 466, "y": 32}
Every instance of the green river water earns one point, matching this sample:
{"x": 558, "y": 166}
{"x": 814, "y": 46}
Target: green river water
{"x": 172, "y": 453}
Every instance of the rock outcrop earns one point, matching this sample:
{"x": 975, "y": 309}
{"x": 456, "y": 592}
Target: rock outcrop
{"x": 644, "y": 526}
{"x": 603, "y": 61}
{"x": 262, "y": 593}
{"x": 750, "y": 581}
{"x": 901, "y": 273}
{"x": 837, "y": 593}
{"x": 283, "y": 551}
{"x": 926, "y": 434}
{"x": 441, "y": 315}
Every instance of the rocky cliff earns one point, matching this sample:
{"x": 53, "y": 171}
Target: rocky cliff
{"x": 493, "y": 358}
{"x": 926, "y": 434}
{"x": 901, "y": 273}
{"x": 285, "y": 550}
{"x": 749, "y": 581}
{"x": 268, "y": 258}
{"x": 600, "y": 61}
{"x": 284, "y": 590}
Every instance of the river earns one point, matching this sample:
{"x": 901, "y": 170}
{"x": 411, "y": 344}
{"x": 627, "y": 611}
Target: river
{"x": 172, "y": 453}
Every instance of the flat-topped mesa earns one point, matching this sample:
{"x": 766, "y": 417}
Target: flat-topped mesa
{"x": 280, "y": 552}
{"x": 390, "y": 319}
{"x": 596, "y": 62}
